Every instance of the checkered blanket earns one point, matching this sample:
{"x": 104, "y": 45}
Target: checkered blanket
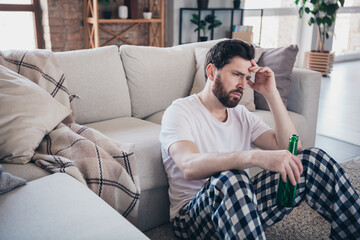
{"x": 107, "y": 167}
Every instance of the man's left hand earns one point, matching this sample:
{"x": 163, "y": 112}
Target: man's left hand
{"x": 265, "y": 80}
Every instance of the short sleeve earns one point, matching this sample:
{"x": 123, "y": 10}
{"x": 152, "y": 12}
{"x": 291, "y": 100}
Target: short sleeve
{"x": 175, "y": 126}
{"x": 257, "y": 125}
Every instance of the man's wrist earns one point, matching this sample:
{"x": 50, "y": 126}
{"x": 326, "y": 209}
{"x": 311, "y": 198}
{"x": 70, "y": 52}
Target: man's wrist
{"x": 272, "y": 96}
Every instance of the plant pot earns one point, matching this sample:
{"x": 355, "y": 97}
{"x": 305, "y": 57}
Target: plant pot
{"x": 107, "y": 14}
{"x": 147, "y": 15}
{"x": 319, "y": 61}
{"x": 236, "y": 4}
{"x": 203, "y": 39}
{"x": 123, "y": 12}
{"x": 202, "y": 4}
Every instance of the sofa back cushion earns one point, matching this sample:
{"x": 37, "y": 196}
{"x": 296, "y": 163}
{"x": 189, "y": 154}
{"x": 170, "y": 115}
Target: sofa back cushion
{"x": 97, "y": 77}
{"x": 157, "y": 76}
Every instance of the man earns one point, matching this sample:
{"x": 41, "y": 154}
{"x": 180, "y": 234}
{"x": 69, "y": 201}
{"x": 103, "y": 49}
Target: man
{"x": 206, "y": 142}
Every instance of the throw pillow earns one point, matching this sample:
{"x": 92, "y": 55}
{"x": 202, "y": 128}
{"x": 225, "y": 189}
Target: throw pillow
{"x": 199, "y": 81}
{"x": 281, "y": 61}
{"x": 27, "y": 114}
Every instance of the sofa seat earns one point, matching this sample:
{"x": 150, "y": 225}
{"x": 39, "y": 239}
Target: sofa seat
{"x": 28, "y": 171}
{"x": 154, "y": 200}
{"x": 60, "y": 207}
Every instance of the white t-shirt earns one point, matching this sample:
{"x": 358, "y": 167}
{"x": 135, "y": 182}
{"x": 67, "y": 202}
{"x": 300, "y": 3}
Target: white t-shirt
{"x": 188, "y": 119}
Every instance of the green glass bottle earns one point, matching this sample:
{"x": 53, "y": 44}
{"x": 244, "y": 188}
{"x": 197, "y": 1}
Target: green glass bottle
{"x": 286, "y": 191}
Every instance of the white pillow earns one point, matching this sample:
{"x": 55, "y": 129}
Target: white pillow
{"x": 199, "y": 81}
{"x": 27, "y": 114}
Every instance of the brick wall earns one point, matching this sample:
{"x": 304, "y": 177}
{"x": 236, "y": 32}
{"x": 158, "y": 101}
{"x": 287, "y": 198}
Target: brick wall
{"x": 63, "y": 25}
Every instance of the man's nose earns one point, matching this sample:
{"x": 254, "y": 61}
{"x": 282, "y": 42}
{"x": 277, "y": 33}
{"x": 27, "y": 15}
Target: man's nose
{"x": 242, "y": 83}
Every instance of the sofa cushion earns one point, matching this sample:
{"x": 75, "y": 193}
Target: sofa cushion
{"x": 158, "y": 76}
{"x": 145, "y": 136}
{"x": 281, "y": 61}
{"x": 97, "y": 77}
{"x": 60, "y": 207}
{"x": 156, "y": 117}
{"x": 27, "y": 114}
{"x": 28, "y": 171}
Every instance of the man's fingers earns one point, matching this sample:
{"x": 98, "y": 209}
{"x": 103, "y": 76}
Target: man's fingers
{"x": 299, "y": 164}
{"x": 295, "y": 170}
{"x": 284, "y": 176}
{"x": 291, "y": 176}
{"x": 253, "y": 63}
{"x": 254, "y": 69}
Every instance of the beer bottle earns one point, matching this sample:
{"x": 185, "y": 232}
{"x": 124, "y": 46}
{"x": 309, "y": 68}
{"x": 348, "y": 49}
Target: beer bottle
{"x": 286, "y": 191}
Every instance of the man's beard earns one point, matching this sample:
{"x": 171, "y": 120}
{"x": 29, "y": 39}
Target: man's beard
{"x": 223, "y": 96}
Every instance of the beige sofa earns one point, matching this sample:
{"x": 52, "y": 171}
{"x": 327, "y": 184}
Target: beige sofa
{"x": 123, "y": 94}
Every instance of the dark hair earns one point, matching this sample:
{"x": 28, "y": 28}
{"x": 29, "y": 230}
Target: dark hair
{"x": 222, "y": 53}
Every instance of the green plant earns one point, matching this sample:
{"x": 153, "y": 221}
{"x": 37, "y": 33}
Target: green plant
{"x": 106, "y": 3}
{"x": 201, "y": 24}
{"x": 323, "y": 15}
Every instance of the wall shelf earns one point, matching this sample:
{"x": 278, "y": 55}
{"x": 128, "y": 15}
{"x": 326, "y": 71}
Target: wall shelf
{"x": 93, "y": 24}
{"x": 213, "y": 10}
{"x": 130, "y": 20}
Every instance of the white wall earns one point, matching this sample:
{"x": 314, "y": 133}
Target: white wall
{"x": 304, "y": 41}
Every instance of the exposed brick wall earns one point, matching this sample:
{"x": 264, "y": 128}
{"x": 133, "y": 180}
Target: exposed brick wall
{"x": 63, "y": 25}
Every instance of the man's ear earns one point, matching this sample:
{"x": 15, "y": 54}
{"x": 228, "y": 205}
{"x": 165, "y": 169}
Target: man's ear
{"x": 210, "y": 71}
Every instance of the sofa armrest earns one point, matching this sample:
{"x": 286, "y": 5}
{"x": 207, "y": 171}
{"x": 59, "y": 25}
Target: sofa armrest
{"x": 304, "y": 99}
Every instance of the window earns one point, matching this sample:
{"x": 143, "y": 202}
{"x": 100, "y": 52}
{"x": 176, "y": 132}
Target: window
{"x": 279, "y": 25}
{"x": 20, "y": 24}
{"x": 346, "y": 40}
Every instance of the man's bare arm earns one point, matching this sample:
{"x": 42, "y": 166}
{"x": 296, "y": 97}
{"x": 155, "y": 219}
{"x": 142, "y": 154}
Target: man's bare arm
{"x": 284, "y": 126}
{"x": 195, "y": 165}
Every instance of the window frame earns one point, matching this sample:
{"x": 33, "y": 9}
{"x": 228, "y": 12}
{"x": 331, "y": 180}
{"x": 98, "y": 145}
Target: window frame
{"x": 33, "y": 7}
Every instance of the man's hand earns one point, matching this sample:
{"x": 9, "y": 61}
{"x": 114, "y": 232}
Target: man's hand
{"x": 265, "y": 80}
{"x": 281, "y": 161}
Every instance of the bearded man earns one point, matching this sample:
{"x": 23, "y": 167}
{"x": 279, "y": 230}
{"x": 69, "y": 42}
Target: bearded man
{"x": 208, "y": 142}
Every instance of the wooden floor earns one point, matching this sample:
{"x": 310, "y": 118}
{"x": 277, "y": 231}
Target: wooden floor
{"x": 338, "y": 128}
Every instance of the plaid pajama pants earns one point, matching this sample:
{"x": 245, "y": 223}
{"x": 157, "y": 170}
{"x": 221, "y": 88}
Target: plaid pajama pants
{"x": 232, "y": 206}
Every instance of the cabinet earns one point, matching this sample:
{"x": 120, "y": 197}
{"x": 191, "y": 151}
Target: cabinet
{"x": 93, "y": 24}
{"x": 231, "y": 12}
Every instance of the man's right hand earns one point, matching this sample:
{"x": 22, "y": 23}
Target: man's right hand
{"x": 281, "y": 161}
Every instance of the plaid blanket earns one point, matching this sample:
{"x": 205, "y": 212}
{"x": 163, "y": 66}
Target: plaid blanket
{"x": 107, "y": 167}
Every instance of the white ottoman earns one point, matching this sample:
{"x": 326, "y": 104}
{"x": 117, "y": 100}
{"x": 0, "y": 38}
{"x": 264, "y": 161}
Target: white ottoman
{"x": 59, "y": 207}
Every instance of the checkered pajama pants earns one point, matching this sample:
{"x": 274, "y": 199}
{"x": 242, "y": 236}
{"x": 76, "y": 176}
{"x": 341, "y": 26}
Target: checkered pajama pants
{"x": 232, "y": 206}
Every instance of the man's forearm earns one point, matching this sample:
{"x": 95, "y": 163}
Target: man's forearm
{"x": 204, "y": 165}
{"x": 284, "y": 126}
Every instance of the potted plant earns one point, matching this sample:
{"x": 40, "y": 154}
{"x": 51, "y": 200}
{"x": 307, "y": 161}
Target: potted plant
{"x": 237, "y": 4}
{"x": 323, "y": 14}
{"x": 202, "y": 4}
{"x": 147, "y": 13}
{"x": 107, "y": 10}
{"x": 210, "y": 22}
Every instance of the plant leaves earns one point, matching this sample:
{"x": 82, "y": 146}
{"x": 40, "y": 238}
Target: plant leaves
{"x": 327, "y": 20}
{"x": 318, "y": 21}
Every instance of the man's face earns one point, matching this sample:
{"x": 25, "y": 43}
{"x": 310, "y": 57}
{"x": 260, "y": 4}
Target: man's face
{"x": 231, "y": 81}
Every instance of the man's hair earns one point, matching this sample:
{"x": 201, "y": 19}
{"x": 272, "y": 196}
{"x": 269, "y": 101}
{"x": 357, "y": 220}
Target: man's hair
{"x": 223, "y": 52}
